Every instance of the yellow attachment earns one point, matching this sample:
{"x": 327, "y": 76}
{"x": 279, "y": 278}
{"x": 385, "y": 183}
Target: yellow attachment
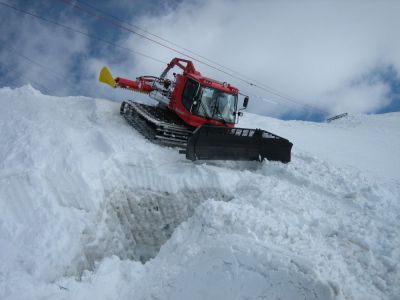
{"x": 106, "y": 77}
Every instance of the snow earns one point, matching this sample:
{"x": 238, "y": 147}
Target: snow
{"x": 91, "y": 210}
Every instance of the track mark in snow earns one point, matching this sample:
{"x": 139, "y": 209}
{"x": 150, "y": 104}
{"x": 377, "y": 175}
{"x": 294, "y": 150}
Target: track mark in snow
{"x": 134, "y": 224}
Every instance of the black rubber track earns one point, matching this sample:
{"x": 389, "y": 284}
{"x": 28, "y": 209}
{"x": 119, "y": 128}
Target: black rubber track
{"x": 157, "y": 124}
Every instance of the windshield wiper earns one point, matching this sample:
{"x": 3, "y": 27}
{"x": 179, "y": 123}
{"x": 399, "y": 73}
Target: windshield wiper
{"x": 216, "y": 111}
{"x": 202, "y": 105}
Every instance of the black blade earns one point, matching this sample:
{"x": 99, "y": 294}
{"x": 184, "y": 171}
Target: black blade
{"x": 222, "y": 143}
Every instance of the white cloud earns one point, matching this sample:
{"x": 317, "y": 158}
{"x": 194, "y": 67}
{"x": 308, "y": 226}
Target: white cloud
{"x": 52, "y": 53}
{"x": 309, "y": 49}
{"x": 362, "y": 98}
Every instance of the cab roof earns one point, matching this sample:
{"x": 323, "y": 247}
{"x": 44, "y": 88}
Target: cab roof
{"x": 209, "y": 82}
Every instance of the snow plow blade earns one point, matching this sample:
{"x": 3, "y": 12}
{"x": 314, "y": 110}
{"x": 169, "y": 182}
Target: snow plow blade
{"x": 222, "y": 143}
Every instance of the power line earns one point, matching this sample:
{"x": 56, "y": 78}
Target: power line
{"x": 120, "y": 24}
{"x": 30, "y": 80}
{"x": 36, "y": 63}
{"x": 161, "y": 38}
{"x": 266, "y": 89}
{"x": 151, "y": 34}
{"x": 80, "y": 32}
{"x": 14, "y": 51}
{"x": 166, "y": 40}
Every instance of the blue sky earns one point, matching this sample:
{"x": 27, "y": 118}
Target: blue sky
{"x": 319, "y": 58}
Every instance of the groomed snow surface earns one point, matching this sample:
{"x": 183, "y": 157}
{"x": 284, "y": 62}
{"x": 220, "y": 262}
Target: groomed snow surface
{"x": 91, "y": 210}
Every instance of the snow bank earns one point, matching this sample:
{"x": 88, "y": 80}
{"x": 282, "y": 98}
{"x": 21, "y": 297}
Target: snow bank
{"x": 89, "y": 209}
{"x": 368, "y": 143}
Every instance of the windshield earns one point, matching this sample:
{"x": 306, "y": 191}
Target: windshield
{"x": 217, "y": 105}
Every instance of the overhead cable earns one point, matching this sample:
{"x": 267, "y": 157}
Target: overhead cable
{"x": 81, "y": 32}
{"x": 120, "y": 24}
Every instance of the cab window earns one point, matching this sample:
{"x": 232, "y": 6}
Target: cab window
{"x": 189, "y": 93}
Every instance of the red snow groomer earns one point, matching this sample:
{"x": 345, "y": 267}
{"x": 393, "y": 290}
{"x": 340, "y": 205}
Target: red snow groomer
{"x": 196, "y": 114}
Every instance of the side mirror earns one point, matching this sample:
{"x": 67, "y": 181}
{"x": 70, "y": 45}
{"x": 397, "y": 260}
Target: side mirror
{"x": 246, "y": 101}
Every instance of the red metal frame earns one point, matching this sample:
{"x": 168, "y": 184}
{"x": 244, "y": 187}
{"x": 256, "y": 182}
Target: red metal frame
{"x": 143, "y": 84}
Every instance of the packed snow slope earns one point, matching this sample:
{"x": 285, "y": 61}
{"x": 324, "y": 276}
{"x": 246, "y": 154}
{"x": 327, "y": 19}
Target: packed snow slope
{"x": 91, "y": 210}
